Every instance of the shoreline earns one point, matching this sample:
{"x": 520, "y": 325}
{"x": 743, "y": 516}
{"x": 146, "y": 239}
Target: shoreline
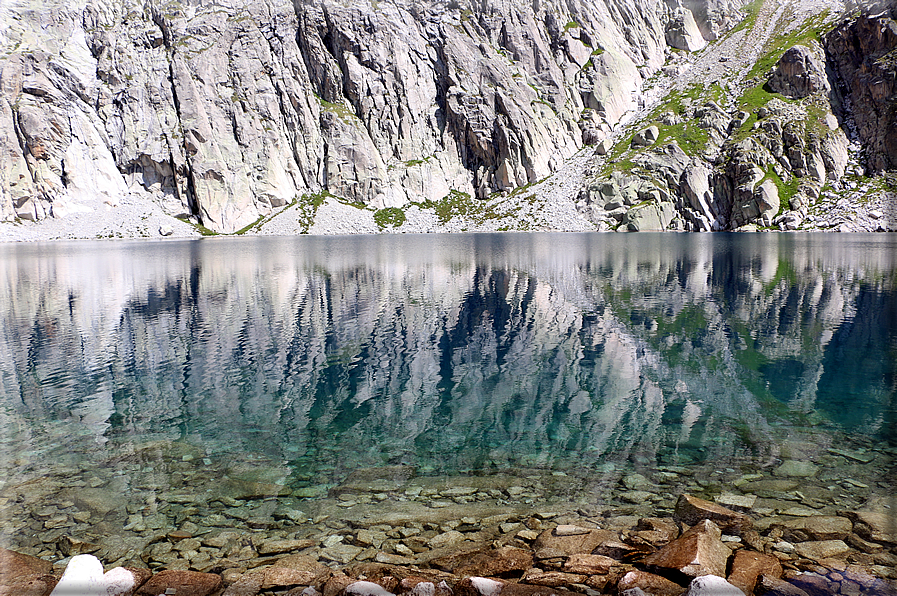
{"x": 584, "y": 552}
{"x": 137, "y": 217}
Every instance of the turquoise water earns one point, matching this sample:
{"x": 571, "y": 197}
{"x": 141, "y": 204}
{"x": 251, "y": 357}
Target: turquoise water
{"x": 298, "y": 361}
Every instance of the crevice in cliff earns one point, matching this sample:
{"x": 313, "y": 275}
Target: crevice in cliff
{"x": 189, "y": 188}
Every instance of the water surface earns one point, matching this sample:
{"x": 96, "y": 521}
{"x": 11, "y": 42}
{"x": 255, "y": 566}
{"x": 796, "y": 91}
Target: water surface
{"x": 291, "y": 364}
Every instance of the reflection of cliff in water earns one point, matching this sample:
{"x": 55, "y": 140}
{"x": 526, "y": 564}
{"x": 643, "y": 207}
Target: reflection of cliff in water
{"x": 459, "y": 353}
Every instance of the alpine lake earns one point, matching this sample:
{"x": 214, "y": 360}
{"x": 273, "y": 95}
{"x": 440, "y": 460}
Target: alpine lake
{"x": 296, "y": 390}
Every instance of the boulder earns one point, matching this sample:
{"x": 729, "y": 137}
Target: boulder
{"x": 772, "y": 586}
{"x": 815, "y": 584}
{"x": 699, "y": 551}
{"x": 691, "y": 510}
{"x": 682, "y": 31}
{"x": 748, "y": 566}
{"x": 800, "y": 72}
{"x": 554, "y": 579}
{"x": 793, "y": 468}
{"x": 573, "y": 544}
{"x": 24, "y": 575}
{"x": 645, "y": 137}
{"x": 13, "y": 564}
{"x": 649, "y": 583}
{"x": 184, "y": 583}
{"x": 589, "y": 564}
{"x": 711, "y": 585}
{"x": 818, "y": 527}
{"x": 490, "y": 563}
{"x": 877, "y": 526}
{"x": 817, "y": 550}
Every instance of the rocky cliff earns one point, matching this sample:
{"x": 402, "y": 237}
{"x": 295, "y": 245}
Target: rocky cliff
{"x": 139, "y": 118}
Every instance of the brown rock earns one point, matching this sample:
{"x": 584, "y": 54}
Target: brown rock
{"x": 699, "y": 551}
{"x": 13, "y": 564}
{"x": 281, "y": 577}
{"x": 28, "y": 585}
{"x": 690, "y": 510}
{"x": 649, "y": 583}
{"x": 178, "y": 535}
{"x": 250, "y": 584}
{"x": 487, "y": 562}
{"x": 405, "y": 576}
{"x": 185, "y": 583}
{"x": 24, "y": 575}
{"x": 307, "y": 564}
{"x": 572, "y": 544}
{"x": 73, "y": 546}
{"x": 822, "y": 549}
{"x": 553, "y": 579}
{"x": 614, "y": 549}
{"x": 864, "y": 545}
{"x": 589, "y": 564}
{"x": 527, "y": 590}
{"x": 141, "y": 575}
{"x": 748, "y": 566}
{"x": 820, "y": 527}
{"x": 876, "y": 526}
{"x": 667, "y": 526}
{"x": 336, "y": 584}
{"x": 771, "y": 586}
{"x": 275, "y": 547}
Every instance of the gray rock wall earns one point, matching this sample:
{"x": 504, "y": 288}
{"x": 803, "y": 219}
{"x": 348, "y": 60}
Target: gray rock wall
{"x": 225, "y": 112}
{"x": 863, "y": 52}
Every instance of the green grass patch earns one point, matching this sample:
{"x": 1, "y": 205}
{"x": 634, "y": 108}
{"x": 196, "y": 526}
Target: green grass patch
{"x": 787, "y": 190}
{"x": 198, "y": 226}
{"x": 257, "y": 222}
{"x": 307, "y": 206}
{"x": 342, "y": 111}
{"x": 460, "y": 204}
{"x": 811, "y": 30}
{"x": 389, "y": 216}
{"x": 690, "y": 137}
{"x": 571, "y": 25}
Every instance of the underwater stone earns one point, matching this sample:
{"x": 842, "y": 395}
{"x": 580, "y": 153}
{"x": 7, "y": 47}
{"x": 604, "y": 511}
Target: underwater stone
{"x": 691, "y": 510}
{"x": 796, "y": 469}
{"x": 822, "y": 549}
{"x": 699, "y": 551}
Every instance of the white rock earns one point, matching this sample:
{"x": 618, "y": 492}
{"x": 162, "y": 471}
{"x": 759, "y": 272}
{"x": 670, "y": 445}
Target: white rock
{"x": 711, "y": 585}
{"x": 367, "y": 589}
{"x": 486, "y": 587}
{"x": 84, "y": 576}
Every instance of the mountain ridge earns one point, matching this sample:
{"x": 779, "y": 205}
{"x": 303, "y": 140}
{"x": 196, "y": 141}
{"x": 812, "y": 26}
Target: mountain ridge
{"x": 127, "y": 119}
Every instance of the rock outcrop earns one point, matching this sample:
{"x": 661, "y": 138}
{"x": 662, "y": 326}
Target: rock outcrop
{"x": 864, "y": 52}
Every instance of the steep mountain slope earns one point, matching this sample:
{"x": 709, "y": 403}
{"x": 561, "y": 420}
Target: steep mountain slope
{"x": 139, "y": 118}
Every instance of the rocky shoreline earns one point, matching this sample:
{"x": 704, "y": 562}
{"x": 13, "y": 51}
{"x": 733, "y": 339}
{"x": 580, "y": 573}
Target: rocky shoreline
{"x": 798, "y": 551}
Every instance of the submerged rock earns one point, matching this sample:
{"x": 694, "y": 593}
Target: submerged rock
{"x": 699, "y": 551}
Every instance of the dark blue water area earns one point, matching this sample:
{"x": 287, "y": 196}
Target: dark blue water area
{"x": 465, "y": 354}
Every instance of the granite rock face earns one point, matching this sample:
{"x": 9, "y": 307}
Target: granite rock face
{"x": 800, "y": 72}
{"x": 863, "y": 54}
{"x": 224, "y": 113}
